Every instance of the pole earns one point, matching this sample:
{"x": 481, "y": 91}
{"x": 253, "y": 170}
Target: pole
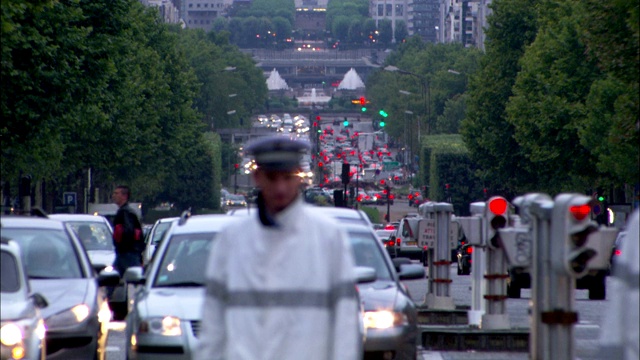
{"x": 388, "y": 204}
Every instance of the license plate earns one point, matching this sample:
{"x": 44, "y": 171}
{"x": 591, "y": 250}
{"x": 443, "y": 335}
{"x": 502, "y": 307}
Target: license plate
{"x": 411, "y": 243}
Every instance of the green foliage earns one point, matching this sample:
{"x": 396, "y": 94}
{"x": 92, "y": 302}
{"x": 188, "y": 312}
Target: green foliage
{"x": 373, "y": 214}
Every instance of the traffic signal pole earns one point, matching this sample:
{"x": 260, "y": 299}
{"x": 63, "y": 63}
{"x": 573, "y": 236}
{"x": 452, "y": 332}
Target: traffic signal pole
{"x": 439, "y": 256}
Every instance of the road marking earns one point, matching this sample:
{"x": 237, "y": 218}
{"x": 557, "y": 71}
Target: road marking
{"x": 112, "y": 348}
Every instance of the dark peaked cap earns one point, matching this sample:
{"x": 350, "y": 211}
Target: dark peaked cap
{"x": 278, "y": 153}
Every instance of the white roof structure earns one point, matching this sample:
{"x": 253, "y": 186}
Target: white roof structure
{"x": 351, "y": 81}
{"x": 276, "y": 82}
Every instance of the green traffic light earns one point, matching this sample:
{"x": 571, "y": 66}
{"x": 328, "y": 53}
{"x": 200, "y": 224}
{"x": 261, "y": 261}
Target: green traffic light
{"x": 345, "y": 123}
{"x": 363, "y": 109}
{"x": 383, "y": 113}
{"x": 381, "y": 123}
{"x": 600, "y": 198}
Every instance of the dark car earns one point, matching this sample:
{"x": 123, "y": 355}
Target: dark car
{"x": 463, "y": 257}
{"x": 59, "y": 268}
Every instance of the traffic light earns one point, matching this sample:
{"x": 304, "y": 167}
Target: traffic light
{"x": 496, "y": 217}
{"x": 363, "y": 101}
{"x": 345, "y": 123}
{"x": 571, "y": 224}
{"x": 383, "y": 113}
{"x": 382, "y": 124}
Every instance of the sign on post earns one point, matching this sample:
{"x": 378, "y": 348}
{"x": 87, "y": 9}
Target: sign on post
{"x": 69, "y": 198}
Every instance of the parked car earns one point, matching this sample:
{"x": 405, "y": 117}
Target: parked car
{"x": 23, "y": 330}
{"x": 59, "y": 268}
{"x": 155, "y": 235}
{"x": 164, "y": 319}
{"x": 390, "y": 317}
{"x": 96, "y": 234}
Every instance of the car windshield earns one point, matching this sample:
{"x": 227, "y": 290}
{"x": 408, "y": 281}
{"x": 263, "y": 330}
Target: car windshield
{"x": 367, "y": 253}
{"x": 236, "y": 197}
{"x": 159, "y": 231}
{"x": 9, "y": 281}
{"x": 184, "y": 260}
{"x": 94, "y": 235}
{"x": 47, "y": 253}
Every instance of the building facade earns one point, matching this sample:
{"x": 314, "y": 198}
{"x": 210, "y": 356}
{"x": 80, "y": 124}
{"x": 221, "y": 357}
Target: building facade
{"x": 463, "y": 21}
{"x": 394, "y": 10}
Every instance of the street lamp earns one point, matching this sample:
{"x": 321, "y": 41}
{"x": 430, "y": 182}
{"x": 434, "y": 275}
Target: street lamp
{"x": 426, "y": 93}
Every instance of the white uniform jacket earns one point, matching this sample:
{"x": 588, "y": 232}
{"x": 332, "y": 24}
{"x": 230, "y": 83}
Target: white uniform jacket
{"x": 281, "y": 292}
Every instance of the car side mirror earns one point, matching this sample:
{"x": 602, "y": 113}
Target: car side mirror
{"x": 365, "y": 274}
{"x": 411, "y": 272}
{"x": 39, "y": 301}
{"x": 134, "y": 275}
{"x": 108, "y": 277}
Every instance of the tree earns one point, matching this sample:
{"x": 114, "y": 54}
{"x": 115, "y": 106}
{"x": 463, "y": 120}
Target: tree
{"x": 401, "y": 32}
{"x": 487, "y": 134}
{"x": 385, "y": 31}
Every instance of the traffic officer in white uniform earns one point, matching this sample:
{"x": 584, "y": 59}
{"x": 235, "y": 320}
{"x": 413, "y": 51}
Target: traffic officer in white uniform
{"x": 280, "y": 284}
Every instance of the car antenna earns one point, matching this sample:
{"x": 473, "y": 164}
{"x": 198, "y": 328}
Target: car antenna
{"x": 184, "y": 217}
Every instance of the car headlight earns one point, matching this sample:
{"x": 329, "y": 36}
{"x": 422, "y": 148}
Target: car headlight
{"x": 167, "y": 326}
{"x": 11, "y": 334}
{"x": 383, "y": 319}
{"x": 69, "y": 317}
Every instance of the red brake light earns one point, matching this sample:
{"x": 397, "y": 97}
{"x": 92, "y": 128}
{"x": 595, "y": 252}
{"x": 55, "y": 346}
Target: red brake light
{"x": 580, "y": 212}
{"x": 389, "y": 227}
{"x": 469, "y": 250}
{"x": 498, "y": 206}
{"x": 398, "y": 241}
{"x": 424, "y": 248}
{"x": 410, "y": 196}
{"x": 617, "y": 252}
{"x": 391, "y": 196}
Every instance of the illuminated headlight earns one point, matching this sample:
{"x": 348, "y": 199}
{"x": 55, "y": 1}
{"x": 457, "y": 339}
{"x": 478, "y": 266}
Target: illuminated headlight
{"x": 11, "y": 334}
{"x": 70, "y": 317}
{"x": 383, "y": 319}
{"x": 167, "y": 326}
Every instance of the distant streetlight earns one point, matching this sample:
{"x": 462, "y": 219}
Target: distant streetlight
{"x": 231, "y": 112}
{"x": 426, "y": 93}
{"x": 404, "y": 92}
{"x": 233, "y": 95}
{"x": 453, "y": 72}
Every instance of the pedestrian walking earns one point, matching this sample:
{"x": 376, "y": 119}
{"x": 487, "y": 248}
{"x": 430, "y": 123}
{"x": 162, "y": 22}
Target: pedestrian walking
{"x": 280, "y": 285}
{"x": 127, "y": 232}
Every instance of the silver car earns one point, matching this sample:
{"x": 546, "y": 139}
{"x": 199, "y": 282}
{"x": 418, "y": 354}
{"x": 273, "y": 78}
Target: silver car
{"x": 23, "y": 331}
{"x": 165, "y": 318}
{"x": 158, "y": 230}
{"x": 390, "y": 315}
{"x": 58, "y": 267}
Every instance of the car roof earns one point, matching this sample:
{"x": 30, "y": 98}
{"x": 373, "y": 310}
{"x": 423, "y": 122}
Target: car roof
{"x": 340, "y": 214}
{"x": 167, "y": 219}
{"x": 77, "y": 217}
{"x": 29, "y": 222}
{"x": 202, "y": 223}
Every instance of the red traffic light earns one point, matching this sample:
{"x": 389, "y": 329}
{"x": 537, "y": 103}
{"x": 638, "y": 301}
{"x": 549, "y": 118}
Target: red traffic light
{"x": 318, "y": 117}
{"x": 320, "y": 164}
{"x": 236, "y": 166}
{"x": 580, "y": 212}
{"x": 498, "y": 205}
{"x": 382, "y": 181}
{"x": 363, "y": 101}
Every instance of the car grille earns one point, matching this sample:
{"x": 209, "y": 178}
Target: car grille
{"x": 195, "y": 327}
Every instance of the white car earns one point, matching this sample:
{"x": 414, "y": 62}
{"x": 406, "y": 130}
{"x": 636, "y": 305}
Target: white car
{"x": 155, "y": 235}
{"x": 164, "y": 320}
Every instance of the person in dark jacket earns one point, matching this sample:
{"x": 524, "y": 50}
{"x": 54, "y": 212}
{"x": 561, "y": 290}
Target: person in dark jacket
{"x": 127, "y": 232}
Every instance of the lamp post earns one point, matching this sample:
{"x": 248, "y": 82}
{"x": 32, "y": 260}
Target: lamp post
{"x": 425, "y": 93}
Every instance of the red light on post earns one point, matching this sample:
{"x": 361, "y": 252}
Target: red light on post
{"x": 580, "y": 212}
{"x": 382, "y": 182}
{"x": 320, "y": 164}
{"x": 498, "y": 205}
{"x": 318, "y": 118}
{"x": 363, "y": 101}
{"x": 236, "y": 165}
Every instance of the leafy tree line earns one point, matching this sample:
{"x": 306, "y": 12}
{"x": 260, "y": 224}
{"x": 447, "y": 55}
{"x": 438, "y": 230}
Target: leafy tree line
{"x": 551, "y": 106}
{"x": 105, "y": 85}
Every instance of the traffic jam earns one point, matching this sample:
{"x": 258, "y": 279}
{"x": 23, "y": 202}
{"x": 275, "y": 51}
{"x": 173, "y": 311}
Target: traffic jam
{"x": 62, "y": 294}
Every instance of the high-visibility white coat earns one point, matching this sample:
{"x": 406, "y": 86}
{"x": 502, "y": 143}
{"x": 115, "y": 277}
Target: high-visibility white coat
{"x": 620, "y": 331}
{"x": 284, "y": 292}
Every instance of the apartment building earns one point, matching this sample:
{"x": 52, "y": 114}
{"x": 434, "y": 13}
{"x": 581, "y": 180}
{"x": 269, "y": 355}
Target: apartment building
{"x": 463, "y": 21}
{"x": 394, "y": 10}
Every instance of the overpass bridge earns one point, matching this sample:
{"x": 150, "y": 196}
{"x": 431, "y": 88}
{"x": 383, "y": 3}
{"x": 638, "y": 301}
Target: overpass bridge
{"x": 307, "y": 68}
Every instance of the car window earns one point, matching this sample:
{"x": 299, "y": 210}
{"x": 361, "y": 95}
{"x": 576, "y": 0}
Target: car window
{"x": 159, "y": 232}
{"x": 48, "y": 253}
{"x": 184, "y": 260}
{"x": 9, "y": 280}
{"x": 367, "y": 253}
{"x": 94, "y": 235}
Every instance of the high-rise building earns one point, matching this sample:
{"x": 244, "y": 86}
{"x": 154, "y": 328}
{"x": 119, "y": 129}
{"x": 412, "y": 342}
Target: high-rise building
{"x": 424, "y": 16}
{"x": 393, "y": 10}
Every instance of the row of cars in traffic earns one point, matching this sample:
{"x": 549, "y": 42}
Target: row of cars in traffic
{"x": 55, "y": 280}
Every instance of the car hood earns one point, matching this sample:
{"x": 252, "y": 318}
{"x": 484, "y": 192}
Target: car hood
{"x": 379, "y": 295}
{"x": 62, "y": 294}
{"x": 13, "y": 309}
{"x": 101, "y": 257}
{"x": 184, "y": 303}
